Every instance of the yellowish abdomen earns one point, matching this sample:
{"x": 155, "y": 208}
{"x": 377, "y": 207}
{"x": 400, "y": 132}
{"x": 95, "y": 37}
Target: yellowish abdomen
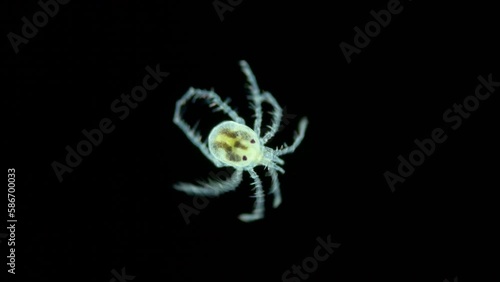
{"x": 234, "y": 144}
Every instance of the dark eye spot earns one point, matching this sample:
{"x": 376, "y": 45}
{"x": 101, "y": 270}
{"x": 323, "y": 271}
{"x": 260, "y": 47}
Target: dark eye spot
{"x": 244, "y": 158}
{"x": 252, "y": 141}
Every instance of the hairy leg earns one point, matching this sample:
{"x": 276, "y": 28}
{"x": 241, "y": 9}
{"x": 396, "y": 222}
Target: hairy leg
{"x": 258, "y": 210}
{"x": 275, "y": 188}
{"x": 213, "y": 187}
{"x": 299, "y": 136}
{"x": 257, "y": 98}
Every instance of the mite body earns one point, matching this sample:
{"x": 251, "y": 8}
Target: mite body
{"x": 232, "y": 143}
{"x": 235, "y": 144}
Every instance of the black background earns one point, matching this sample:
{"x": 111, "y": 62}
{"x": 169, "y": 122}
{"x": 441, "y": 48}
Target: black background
{"x": 118, "y": 209}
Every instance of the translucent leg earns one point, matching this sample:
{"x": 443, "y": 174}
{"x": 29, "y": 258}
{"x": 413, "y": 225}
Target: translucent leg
{"x": 257, "y": 97}
{"x": 299, "y": 136}
{"x": 213, "y": 187}
{"x": 275, "y": 188}
{"x": 258, "y": 210}
{"x": 276, "y": 114}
